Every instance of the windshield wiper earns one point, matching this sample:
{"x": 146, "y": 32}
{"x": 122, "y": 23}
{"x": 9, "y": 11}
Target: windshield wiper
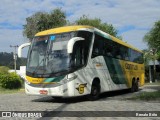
{"x": 35, "y": 70}
{"x": 46, "y": 55}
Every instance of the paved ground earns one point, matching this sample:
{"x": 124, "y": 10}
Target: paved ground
{"x": 111, "y": 101}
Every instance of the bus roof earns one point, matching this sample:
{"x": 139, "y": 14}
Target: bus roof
{"x": 85, "y": 27}
{"x": 124, "y": 43}
{"x": 63, "y": 29}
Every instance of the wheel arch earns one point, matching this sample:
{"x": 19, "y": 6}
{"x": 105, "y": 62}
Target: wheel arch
{"x": 96, "y": 80}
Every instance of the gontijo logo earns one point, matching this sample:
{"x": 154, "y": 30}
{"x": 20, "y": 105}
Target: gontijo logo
{"x": 131, "y": 66}
{"x": 81, "y": 88}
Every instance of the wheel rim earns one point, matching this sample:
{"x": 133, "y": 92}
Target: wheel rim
{"x": 136, "y": 86}
{"x": 95, "y": 91}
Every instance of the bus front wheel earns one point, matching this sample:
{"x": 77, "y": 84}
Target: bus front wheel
{"x": 95, "y": 91}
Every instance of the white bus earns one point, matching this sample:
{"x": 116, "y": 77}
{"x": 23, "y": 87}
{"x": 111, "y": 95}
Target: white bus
{"x": 81, "y": 60}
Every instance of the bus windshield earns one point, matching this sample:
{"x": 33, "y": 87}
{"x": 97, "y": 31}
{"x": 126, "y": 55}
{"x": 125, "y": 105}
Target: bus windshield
{"x": 48, "y": 55}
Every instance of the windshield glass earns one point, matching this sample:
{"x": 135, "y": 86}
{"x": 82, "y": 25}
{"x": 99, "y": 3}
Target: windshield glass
{"x": 48, "y": 54}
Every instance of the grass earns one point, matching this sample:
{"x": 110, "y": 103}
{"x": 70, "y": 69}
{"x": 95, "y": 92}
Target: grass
{"x": 10, "y": 91}
{"x": 147, "y": 96}
{"x": 153, "y": 83}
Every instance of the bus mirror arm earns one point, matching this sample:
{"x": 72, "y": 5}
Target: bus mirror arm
{"x": 21, "y": 47}
{"x": 72, "y": 42}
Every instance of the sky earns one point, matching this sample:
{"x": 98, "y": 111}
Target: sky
{"x": 132, "y": 18}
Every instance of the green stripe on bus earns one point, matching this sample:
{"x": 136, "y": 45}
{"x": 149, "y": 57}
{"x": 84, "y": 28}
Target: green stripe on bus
{"x": 54, "y": 79}
{"x": 115, "y": 70}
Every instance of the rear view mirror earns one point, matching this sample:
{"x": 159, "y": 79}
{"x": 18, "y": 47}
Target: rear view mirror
{"x": 21, "y": 47}
{"x": 72, "y": 42}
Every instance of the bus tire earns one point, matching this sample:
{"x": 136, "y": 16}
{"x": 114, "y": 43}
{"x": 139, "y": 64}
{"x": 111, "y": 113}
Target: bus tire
{"x": 135, "y": 86}
{"x": 95, "y": 91}
{"x": 56, "y": 98}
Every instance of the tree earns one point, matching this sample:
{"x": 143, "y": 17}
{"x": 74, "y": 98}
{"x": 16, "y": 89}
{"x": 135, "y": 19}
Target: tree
{"x": 153, "y": 38}
{"x": 108, "y": 28}
{"x": 42, "y": 21}
{"x": 150, "y": 55}
{"x": 6, "y": 59}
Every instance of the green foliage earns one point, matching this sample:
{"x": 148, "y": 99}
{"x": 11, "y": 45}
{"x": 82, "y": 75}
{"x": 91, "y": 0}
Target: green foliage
{"x": 10, "y": 81}
{"x": 147, "y": 96}
{"x": 42, "y": 21}
{"x": 3, "y": 70}
{"x": 6, "y": 59}
{"x": 153, "y": 38}
{"x": 148, "y": 56}
{"x": 108, "y": 28}
{"x": 158, "y": 55}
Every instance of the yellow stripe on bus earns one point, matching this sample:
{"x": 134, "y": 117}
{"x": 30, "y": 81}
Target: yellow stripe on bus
{"x": 61, "y": 30}
{"x": 34, "y": 80}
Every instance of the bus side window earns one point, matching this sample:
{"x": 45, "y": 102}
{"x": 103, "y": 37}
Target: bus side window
{"x": 141, "y": 60}
{"x": 136, "y": 56}
{"x": 117, "y": 51}
{"x": 124, "y": 52}
{"x": 87, "y": 42}
{"x": 95, "y": 51}
{"x": 108, "y": 48}
{"x": 98, "y": 46}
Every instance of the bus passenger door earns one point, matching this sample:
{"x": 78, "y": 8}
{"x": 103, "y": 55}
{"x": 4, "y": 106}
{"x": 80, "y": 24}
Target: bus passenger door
{"x": 99, "y": 69}
{"x": 79, "y": 60}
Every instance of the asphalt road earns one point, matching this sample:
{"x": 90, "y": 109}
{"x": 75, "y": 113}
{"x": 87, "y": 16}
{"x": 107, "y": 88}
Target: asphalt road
{"x": 109, "y": 101}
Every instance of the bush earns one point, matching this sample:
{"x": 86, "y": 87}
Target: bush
{"x": 4, "y": 70}
{"x": 10, "y": 81}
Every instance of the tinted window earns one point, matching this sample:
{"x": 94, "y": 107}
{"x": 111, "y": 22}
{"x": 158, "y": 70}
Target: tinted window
{"x": 124, "y": 52}
{"x": 81, "y": 49}
{"x": 136, "y": 56}
{"x": 106, "y": 47}
{"x": 98, "y": 47}
{"x": 78, "y": 54}
{"x": 87, "y": 42}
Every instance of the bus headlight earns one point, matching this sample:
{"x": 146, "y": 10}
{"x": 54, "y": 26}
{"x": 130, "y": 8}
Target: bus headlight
{"x": 71, "y": 77}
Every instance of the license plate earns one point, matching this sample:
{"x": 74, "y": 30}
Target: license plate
{"x": 44, "y": 92}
